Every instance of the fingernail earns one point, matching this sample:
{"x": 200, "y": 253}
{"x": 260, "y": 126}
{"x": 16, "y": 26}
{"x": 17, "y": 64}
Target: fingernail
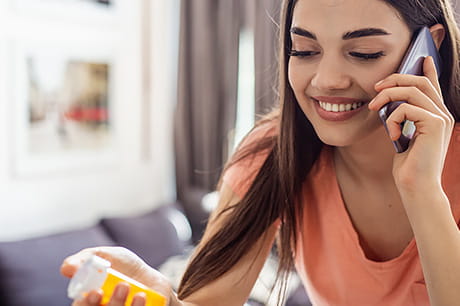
{"x": 379, "y": 83}
{"x": 73, "y": 261}
{"x": 121, "y": 291}
{"x": 371, "y": 103}
{"x": 139, "y": 299}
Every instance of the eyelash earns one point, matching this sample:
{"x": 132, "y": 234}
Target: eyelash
{"x": 368, "y": 56}
{"x": 362, "y": 56}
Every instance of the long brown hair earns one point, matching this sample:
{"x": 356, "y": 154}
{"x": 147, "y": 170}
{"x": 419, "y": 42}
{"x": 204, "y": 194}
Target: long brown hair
{"x": 292, "y": 153}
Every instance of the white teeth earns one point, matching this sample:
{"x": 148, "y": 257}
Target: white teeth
{"x": 339, "y": 107}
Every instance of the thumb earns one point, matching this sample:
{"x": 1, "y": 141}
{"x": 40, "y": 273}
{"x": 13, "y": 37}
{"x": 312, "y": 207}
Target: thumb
{"x": 69, "y": 266}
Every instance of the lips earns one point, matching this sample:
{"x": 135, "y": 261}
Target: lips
{"x": 337, "y": 108}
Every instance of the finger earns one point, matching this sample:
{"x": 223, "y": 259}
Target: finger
{"x": 421, "y": 118}
{"x": 94, "y": 298}
{"x": 69, "y": 268}
{"x": 71, "y": 264}
{"x": 406, "y": 80}
{"x": 119, "y": 295}
{"x": 412, "y": 95}
{"x": 139, "y": 299}
{"x": 429, "y": 70}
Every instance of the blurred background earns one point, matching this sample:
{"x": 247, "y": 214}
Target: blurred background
{"x": 114, "y": 107}
{"x": 87, "y": 92}
{"x": 116, "y": 119}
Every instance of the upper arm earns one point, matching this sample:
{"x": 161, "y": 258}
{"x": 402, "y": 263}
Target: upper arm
{"x": 233, "y": 287}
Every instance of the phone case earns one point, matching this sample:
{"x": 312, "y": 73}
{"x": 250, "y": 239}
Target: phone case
{"x": 412, "y": 63}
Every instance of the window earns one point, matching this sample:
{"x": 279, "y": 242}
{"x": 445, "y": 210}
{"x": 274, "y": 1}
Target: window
{"x": 246, "y": 92}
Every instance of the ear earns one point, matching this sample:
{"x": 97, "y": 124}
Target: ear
{"x": 438, "y": 32}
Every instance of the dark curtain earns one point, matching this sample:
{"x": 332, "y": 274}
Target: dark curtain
{"x": 207, "y": 98}
{"x": 207, "y": 89}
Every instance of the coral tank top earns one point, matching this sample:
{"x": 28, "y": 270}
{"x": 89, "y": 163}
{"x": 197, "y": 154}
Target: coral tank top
{"x": 329, "y": 258}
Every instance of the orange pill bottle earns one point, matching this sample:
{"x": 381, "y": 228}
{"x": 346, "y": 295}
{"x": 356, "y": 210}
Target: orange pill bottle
{"x": 96, "y": 273}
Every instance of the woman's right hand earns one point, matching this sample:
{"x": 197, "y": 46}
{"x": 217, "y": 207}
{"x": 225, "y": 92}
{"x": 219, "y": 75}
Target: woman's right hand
{"x": 126, "y": 262}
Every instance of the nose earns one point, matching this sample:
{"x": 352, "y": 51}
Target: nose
{"x": 330, "y": 75}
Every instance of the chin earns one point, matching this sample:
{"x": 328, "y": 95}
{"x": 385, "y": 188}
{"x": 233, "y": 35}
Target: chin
{"x": 336, "y": 140}
{"x": 347, "y": 136}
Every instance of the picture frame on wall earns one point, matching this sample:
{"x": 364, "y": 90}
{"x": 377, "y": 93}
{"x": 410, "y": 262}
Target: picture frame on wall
{"x": 64, "y": 102}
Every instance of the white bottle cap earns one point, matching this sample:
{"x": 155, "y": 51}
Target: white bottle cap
{"x": 90, "y": 276}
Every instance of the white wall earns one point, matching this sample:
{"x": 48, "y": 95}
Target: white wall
{"x": 164, "y": 39}
{"x": 141, "y": 175}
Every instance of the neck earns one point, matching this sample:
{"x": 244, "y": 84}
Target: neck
{"x": 369, "y": 160}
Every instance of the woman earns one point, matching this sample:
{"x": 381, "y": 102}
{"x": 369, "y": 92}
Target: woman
{"x": 361, "y": 224}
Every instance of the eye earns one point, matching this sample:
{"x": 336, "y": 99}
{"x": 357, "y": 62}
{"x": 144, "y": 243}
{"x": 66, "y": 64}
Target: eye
{"x": 367, "y": 56}
{"x": 302, "y": 54}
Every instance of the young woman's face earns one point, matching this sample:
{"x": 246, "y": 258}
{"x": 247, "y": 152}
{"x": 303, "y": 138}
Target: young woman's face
{"x": 340, "y": 49}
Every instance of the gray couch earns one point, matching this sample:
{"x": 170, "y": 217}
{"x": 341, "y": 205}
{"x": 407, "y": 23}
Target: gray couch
{"x": 29, "y": 269}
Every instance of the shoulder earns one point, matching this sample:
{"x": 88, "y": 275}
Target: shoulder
{"x": 249, "y": 156}
{"x": 262, "y": 130}
{"x": 453, "y": 153}
{"x": 456, "y": 135}
{"x": 451, "y": 173}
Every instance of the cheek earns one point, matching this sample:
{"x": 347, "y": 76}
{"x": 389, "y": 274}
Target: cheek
{"x": 298, "y": 78}
{"x": 369, "y": 77}
{"x": 291, "y": 75}
{"x": 368, "y": 81}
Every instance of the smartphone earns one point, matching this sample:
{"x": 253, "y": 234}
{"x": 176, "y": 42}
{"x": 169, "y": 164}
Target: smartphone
{"x": 422, "y": 45}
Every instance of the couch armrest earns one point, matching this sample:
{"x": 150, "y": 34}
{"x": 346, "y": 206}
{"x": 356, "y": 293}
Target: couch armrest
{"x": 29, "y": 269}
{"x": 154, "y": 236}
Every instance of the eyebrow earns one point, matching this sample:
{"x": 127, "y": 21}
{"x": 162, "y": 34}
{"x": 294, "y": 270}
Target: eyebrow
{"x": 349, "y": 35}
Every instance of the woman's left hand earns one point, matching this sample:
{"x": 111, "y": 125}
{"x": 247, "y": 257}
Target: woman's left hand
{"x": 421, "y": 166}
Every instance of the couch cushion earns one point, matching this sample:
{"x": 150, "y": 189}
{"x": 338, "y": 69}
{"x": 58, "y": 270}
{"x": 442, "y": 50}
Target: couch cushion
{"x": 154, "y": 236}
{"x": 29, "y": 269}
{"x": 298, "y": 297}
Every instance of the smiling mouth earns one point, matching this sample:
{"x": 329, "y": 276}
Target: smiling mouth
{"x": 337, "y": 108}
